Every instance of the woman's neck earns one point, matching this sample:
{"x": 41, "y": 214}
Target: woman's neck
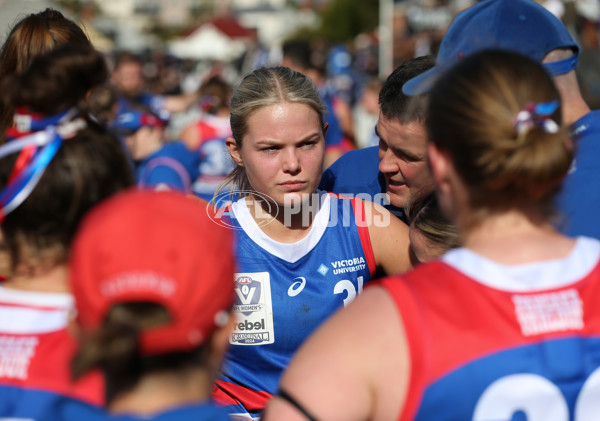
{"x": 158, "y": 392}
{"x": 513, "y": 237}
{"x": 34, "y": 278}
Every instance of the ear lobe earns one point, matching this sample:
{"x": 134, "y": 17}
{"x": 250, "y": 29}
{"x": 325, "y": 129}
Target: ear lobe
{"x": 438, "y": 164}
{"x": 449, "y": 187}
{"x": 234, "y": 151}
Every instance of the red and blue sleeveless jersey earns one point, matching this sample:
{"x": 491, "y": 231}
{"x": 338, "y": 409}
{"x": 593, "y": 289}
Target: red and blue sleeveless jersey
{"x": 285, "y": 291}
{"x": 35, "y": 354}
{"x": 496, "y": 342}
{"x": 215, "y": 163}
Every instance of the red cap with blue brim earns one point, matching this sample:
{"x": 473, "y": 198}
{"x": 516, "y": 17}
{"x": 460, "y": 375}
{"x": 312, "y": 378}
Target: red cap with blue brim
{"x": 160, "y": 247}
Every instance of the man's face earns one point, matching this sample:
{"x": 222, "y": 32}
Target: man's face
{"x": 128, "y": 78}
{"x": 402, "y": 159}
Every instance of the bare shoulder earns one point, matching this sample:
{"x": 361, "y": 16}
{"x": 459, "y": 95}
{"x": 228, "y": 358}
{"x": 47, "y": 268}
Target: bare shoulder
{"x": 355, "y": 367}
{"x": 190, "y": 136}
{"x": 389, "y": 239}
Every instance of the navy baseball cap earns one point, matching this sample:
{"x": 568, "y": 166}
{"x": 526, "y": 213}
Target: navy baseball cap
{"x": 521, "y": 26}
{"x": 131, "y": 120}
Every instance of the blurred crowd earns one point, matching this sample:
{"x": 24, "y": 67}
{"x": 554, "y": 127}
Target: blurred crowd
{"x": 350, "y": 71}
{"x": 288, "y": 236}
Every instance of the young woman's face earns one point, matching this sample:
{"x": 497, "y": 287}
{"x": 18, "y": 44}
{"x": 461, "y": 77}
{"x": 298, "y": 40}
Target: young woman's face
{"x": 282, "y": 151}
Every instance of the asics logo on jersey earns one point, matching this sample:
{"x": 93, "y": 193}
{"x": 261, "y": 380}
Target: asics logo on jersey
{"x": 297, "y": 287}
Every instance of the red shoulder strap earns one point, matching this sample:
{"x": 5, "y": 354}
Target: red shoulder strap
{"x": 363, "y": 232}
{"x": 225, "y": 393}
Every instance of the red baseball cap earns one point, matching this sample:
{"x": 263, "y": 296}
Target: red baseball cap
{"x": 156, "y": 247}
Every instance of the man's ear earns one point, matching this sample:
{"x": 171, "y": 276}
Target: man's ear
{"x": 438, "y": 164}
{"x": 234, "y": 151}
{"x": 449, "y": 187}
{"x": 325, "y": 127}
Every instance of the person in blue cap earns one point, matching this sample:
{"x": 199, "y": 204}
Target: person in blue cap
{"x": 159, "y": 165}
{"x": 505, "y": 327}
{"x": 525, "y": 27}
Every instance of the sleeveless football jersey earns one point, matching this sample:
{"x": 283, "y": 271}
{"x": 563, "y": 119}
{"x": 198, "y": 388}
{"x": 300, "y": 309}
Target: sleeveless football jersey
{"x": 496, "y": 342}
{"x": 284, "y": 291}
{"x": 35, "y": 355}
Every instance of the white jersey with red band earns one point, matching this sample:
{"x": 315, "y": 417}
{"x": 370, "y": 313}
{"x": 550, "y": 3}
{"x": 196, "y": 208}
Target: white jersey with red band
{"x": 35, "y": 354}
{"x": 496, "y": 342}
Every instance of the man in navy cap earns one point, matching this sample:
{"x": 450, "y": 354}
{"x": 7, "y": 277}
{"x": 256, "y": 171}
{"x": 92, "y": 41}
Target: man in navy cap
{"x": 525, "y": 27}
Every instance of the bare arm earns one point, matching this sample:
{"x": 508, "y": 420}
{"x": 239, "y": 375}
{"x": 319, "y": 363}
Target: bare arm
{"x": 180, "y": 103}
{"x": 355, "y": 367}
{"x": 389, "y": 239}
{"x": 190, "y": 136}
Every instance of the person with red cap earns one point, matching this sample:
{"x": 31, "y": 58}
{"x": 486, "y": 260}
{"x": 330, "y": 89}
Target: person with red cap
{"x": 153, "y": 305}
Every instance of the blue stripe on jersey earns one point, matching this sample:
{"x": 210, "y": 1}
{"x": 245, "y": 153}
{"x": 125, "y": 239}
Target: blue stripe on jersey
{"x": 30, "y": 404}
{"x": 542, "y": 381}
{"x": 205, "y": 411}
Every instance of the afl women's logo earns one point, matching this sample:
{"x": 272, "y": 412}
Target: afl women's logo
{"x": 264, "y": 209}
{"x": 247, "y": 295}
